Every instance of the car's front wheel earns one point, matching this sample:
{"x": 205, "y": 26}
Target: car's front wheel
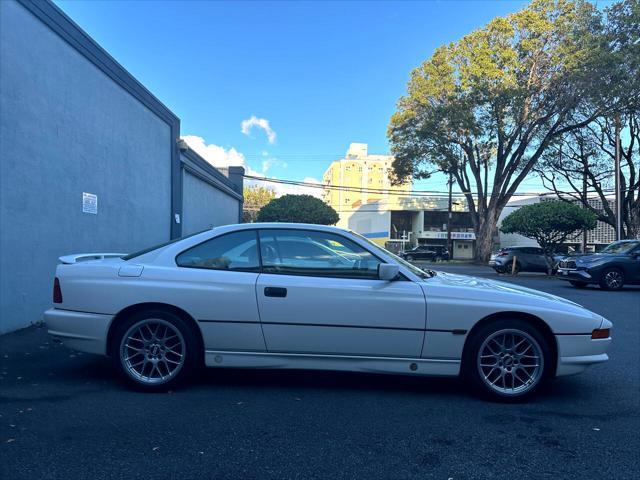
{"x": 154, "y": 350}
{"x": 507, "y": 360}
{"x": 612, "y": 279}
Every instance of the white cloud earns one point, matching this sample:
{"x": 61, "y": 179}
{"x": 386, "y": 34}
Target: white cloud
{"x": 216, "y": 155}
{"x": 263, "y": 123}
{"x": 285, "y": 189}
{"x": 269, "y": 162}
{"x": 220, "y": 157}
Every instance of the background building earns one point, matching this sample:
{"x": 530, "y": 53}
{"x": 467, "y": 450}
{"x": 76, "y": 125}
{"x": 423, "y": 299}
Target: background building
{"x": 390, "y": 215}
{"x": 598, "y": 238}
{"x": 364, "y": 188}
{"x": 89, "y": 159}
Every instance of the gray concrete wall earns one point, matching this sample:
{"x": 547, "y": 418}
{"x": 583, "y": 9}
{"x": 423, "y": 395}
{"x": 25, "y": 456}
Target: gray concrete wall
{"x": 205, "y": 206}
{"x": 67, "y": 128}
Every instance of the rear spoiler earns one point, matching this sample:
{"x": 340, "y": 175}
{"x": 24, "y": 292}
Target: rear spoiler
{"x": 83, "y": 257}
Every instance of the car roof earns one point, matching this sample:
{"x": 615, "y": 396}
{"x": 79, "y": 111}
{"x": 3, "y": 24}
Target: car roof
{"x": 279, "y": 225}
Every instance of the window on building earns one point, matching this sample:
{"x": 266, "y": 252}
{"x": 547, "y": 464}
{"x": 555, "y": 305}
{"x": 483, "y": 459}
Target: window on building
{"x": 324, "y": 254}
{"x": 234, "y": 251}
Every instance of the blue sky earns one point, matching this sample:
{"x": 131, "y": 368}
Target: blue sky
{"x": 323, "y": 74}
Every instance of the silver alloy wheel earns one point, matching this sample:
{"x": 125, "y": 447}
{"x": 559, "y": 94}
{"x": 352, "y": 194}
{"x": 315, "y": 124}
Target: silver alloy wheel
{"x": 613, "y": 279}
{"x": 510, "y": 362}
{"x": 152, "y": 351}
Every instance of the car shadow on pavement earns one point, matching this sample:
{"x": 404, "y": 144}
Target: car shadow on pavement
{"x": 35, "y": 369}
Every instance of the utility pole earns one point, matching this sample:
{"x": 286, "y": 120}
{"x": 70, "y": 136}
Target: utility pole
{"x": 618, "y": 183}
{"x": 586, "y": 200}
{"x": 449, "y": 246}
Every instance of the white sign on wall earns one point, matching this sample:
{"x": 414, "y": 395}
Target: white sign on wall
{"x": 89, "y": 203}
{"x": 454, "y": 235}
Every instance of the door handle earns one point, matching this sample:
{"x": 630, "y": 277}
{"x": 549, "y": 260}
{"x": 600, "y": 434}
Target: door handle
{"x": 275, "y": 292}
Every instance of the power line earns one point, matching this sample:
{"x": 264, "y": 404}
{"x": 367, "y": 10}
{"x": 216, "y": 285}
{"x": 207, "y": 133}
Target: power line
{"x": 386, "y": 191}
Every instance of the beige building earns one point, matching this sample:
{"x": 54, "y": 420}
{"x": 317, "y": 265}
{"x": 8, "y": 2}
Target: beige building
{"x": 389, "y": 214}
{"x": 364, "y": 185}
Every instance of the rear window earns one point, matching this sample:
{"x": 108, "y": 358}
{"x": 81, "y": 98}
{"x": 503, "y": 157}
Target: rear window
{"x": 139, "y": 253}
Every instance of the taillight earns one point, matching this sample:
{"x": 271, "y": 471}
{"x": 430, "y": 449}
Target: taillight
{"x": 502, "y": 254}
{"x": 600, "y": 333}
{"x": 57, "y": 291}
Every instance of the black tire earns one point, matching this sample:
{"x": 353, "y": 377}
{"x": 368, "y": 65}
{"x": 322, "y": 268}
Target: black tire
{"x": 162, "y": 352}
{"x": 612, "y": 279}
{"x": 578, "y": 284}
{"x": 471, "y": 368}
{"x": 510, "y": 269}
{"x": 438, "y": 259}
{"x": 409, "y": 258}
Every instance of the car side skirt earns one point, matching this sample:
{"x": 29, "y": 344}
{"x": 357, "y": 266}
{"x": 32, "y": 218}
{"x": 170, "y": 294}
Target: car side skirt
{"x": 352, "y": 363}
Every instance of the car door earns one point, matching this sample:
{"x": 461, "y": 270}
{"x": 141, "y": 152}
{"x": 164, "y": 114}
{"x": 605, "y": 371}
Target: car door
{"x": 634, "y": 264}
{"x": 528, "y": 259}
{"x": 217, "y": 279}
{"x": 319, "y": 294}
{"x": 538, "y": 260}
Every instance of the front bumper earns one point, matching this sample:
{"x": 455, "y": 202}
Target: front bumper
{"x": 577, "y": 352}
{"x": 85, "y": 332}
{"x": 575, "y": 275}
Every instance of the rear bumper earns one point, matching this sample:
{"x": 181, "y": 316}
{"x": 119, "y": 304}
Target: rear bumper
{"x": 85, "y": 332}
{"x": 577, "y": 352}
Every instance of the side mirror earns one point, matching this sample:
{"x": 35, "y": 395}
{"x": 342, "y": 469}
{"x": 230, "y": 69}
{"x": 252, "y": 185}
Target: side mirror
{"x": 387, "y": 271}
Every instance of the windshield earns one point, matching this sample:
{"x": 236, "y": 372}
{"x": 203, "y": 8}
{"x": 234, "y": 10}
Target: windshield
{"x": 620, "y": 247}
{"x": 415, "y": 270}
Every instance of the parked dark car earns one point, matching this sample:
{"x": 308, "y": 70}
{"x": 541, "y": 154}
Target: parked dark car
{"x": 615, "y": 266}
{"x": 433, "y": 253}
{"x": 528, "y": 259}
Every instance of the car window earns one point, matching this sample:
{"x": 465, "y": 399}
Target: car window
{"x": 236, "y": 251}
{"x": 139, "y": 253}
{"x": 305, "y": 252}
{"x": 621, "y": 247}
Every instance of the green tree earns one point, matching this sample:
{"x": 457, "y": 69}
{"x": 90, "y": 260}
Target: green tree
{"x": 255, "y": 197}
{"x": 485, "y": 108}
{"x": 298, "y": 209}
{"x": 549, "y": 223}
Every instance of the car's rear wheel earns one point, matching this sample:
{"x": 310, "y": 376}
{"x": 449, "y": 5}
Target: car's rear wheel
{"x": 409, "y": 258}
{"x": 578, "y": 284}
{"x": 438, "y": 259}
{"x": 154, "y": 350}
{"x": 507, "y": 360}
{"x": 612, "y": 279}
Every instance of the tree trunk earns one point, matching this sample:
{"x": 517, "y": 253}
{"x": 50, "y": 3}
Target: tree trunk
{"x": 484, "y": 236}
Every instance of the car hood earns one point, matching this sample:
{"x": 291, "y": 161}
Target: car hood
{"x": 593, "y": 257}
{"x": 487, "y": 288}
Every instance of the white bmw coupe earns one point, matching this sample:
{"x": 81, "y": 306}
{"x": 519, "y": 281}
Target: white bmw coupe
{"x": 313, "y": 297}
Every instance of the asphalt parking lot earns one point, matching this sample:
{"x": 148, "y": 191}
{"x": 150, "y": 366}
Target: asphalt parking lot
{"x": 63, "y": 415}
